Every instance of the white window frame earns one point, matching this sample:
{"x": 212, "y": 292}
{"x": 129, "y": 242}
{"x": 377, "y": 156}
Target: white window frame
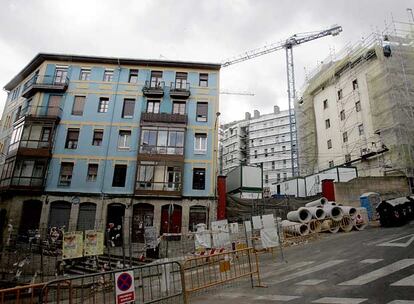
{"x": 124, "y": 141}
{"x": 200, "y": 143}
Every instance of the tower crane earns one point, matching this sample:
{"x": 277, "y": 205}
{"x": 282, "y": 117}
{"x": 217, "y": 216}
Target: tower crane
{"x": 288, "y": 45}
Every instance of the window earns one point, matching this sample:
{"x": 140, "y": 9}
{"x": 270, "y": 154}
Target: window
{"x": 329, "y": 143}
{"x": 78, "y": 105}
{"x": 18, "y": 113}
{"x": 128, "y": 108}
{"x": 181, "y": 80}
{"x": 355, "y": 84}
{"x": 361, "y": 129}
{"x": 345, "y": 136}
{"x": 347, "y": 158}
{"x": 108, "y": 75}
{"x": 284, "y": 175}
{"x": 325, "y": 104}
{"x": 200, "y": 143}
{"x": 124, "y": 139}
{"x": 61, "y": 74}
{"x": 342, "y": 115}
{"x": 85, "y": 74}
{"x": 358, "y": 106}
{"x": 133, "y": 76}
{"x": 103, "y": 105}
{"x": 92, "y": 172}
{"x": 265, "y": 152}
{"x": 178, "y": 107}
{"x": 202, "y": 111}
{"x": 278, "y": 176}
{"x": 203, "y": 82}
{"x": 255, "y": 153}
{"x": 272, "y": 150}
{"x": 156, "y": 78}
{"x": 72, "y": 139}
{"x": 327, "y": 124}
{"x": 97, "y": 137}
{"x": 119, "y": 176}
{"x": 331, "y": 163}
{"x": 153, "y": 106}
{"x": 65, "y": 177}
{"x": 199, "y": 178}
{"x": 266, "y": 179}
{"x": 273, "y": 165}
{"x": 340, "y": 95}
{"x": 283, "y": 148}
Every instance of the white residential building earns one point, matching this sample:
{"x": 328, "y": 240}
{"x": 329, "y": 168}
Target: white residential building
{"x": 262, "y": 140}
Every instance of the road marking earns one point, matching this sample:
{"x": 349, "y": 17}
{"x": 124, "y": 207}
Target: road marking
{"x": 329, "y": 300}
{"x": 408, "y": 281}
{"x": 379, "y": 273}
{"x": 286, "y": 269}
{"x": 281, "y": 298}
{"x": 401, "y": 302}
{"x": 392, "y": 243}
{"x": 310, "y": 282}
{"x": 371, "y": 261}
{"x": 308, "y": 271}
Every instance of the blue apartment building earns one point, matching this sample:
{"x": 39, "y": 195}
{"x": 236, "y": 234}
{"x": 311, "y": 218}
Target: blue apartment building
{"x": 87, "y": 141}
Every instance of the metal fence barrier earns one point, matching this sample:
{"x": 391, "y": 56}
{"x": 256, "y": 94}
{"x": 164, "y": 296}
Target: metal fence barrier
{"x": 203, "y": 272}
{"x": 154, "y": 283}
{"x": 28, "y": 294}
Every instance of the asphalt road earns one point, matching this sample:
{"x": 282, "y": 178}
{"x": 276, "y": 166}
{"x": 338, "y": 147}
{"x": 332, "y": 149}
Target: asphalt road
{"x": 372, "y": 266}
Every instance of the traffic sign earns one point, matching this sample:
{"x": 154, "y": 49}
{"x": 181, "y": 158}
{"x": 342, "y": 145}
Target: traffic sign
{"x": 124, "y": 287}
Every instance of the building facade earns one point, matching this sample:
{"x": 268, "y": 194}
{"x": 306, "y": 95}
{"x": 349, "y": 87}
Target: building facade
{"x": 261, "y": 140}
{"x": 89, "y": 141}
{"x": 357, "y": 111}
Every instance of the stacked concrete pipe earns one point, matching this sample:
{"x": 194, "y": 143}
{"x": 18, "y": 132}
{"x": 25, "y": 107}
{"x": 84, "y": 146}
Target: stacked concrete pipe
{"x": 333, "y": 212}
{"x": 358, "y": 220}
{"x": 315, "y": 226}
{"x": 295, "y": 228}
{"x": 318, "y": 203}
{"x": 346, "y": 224}
{"x": 349, "y": 211}
{"x": 302, "y": 215}
{"x": 330, "y": 225}
{"x": 317, "y": 212}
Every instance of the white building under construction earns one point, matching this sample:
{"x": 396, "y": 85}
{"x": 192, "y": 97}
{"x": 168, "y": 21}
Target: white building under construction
{"x": 261, "y": 140}
{"x": 358, "y": 109}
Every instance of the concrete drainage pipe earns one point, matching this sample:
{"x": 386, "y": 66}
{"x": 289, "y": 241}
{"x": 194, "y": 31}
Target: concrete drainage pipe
{"x": 333, "y": 212}
{"x": 346, "y": 224}
{"x": 350, "y": 211}
{"x": 360, "y": 221}
{"x": 294, "y": 228}
{"x": 320, "y": 202}
{"x": 301, "y": 215}
{"x": 330, "y": 225}
{"x": 315, "y": 226}
{"x": 317, "y": 212}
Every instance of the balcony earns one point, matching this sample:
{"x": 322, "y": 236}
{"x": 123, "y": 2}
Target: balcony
{"x": 40, "y": 113}
{"x": 164, "y": 118}
{"x": 153, "y": 89}
{"x": 180, "y": 90}
{"x": 45, "y": 83}
{"x": 158, "y": 188}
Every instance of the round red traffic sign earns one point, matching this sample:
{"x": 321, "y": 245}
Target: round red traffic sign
{"x": 124, "y": 281}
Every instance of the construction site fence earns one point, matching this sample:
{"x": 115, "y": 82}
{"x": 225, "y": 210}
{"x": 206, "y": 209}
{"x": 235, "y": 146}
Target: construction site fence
{"x": 164, "y": 282}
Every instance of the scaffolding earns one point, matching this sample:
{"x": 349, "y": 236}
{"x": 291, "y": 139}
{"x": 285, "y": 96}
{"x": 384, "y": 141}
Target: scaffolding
{"x": 386, "y": 58}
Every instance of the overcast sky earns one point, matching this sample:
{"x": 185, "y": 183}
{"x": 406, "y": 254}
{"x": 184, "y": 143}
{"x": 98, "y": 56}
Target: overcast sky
{"x": 209, "y": 31}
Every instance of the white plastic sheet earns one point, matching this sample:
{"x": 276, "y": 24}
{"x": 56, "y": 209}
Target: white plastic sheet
{"x": 220, "y": 231}
{"x": 269, "y": 237}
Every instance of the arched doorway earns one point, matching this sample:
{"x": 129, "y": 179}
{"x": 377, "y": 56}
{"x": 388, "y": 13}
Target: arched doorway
{"x": 143, "y": 216}
{"x": 114, "y": 221}
{"x": 86, "y": 217}
{"x": 59, "y": 214}
{"x": 30, "y": 218}
{"x": 198, "y": 215}
{"x": 171, "y": 216}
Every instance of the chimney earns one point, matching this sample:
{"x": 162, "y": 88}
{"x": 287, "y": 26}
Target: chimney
{"x": 276, "y": 110}
{"x": 247, "y": 116}
{"x": 256, "y": 114}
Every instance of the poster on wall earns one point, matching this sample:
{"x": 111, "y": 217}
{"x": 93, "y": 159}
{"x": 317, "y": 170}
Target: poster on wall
{"x": 150, "y": 235}
{"x": 202, "y": 239}
{"x": 72, "y": 246}
{"x": 220, "y": 231}
{"x": 94, "y": 243}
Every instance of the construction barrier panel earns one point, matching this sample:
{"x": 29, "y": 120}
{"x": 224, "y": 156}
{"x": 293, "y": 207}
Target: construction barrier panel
{"x": 28, "y": 294}
{"x": 201, "y": 273}
{"x": 153, "y": 283}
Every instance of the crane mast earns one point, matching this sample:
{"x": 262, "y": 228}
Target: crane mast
{"x": 288, "y": 45}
